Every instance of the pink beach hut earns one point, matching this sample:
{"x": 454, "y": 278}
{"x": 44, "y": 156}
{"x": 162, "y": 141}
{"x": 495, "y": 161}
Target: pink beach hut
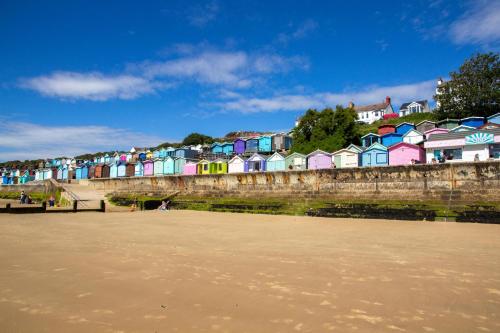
{"x": 437, "y": 130}
{"x": 319, "y": 160}
{"x": 403, "y": 153}
{"x": 190, "y": 168}
{"x": 148, "y": 168}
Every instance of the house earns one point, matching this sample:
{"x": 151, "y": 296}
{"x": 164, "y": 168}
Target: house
{"x": 219, "y": 166}
{"x": 236, "y": 165}
{"x": 148, "y": 168}
{"x": 386, "y": 128}
{"x": 239, "y": 146}
{"x": 437, "y": 130}
{"x": 190, "y": 168}
{"x": 265, "y": 144}
{"x": 252, "y": 145}
{"x": 474, "y": 122}
{"x": 414, "y": 107}
{"x": 464, "y": 146}
{"x": 347, "y": 157}
{"x": 228, "y": 148}
{"x": 113, "y": 170}
{"x": 255, "y": 163}
{"x": 370, "y": 113}
{"x": 404, "y": 153}
{"x": 275, "y": 162}
{"x": 375, "y": 155}
{"x": 425, "y": 125}
{"x": 138, "y": 169}
{"x": 368, "y": 139}
{"x": 122, "y": 169}
{"x": 461, "y": 128}
{"x": 158, "y": 167}
{"x": 448, "y": 123}
{"x": 319, "y": 159}
{"x": 296, "y": 161}
{"x": 281, "y": 142}
{"x": 404, "y": 127}
{"x": 414, "y": 137}
{"x": 216, "y": 148}
{"x": 169, "y": 165}
{"x": 390, "y": 139}
{"x": 495, "y": 119}
{"x": 203, "y": 167}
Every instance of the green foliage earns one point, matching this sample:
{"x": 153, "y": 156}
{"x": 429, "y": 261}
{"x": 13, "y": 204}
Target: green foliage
{"x": 327, "y": 130}
{"x": 414, "y": 118}
{"x": 472, "y": 91}
{"x": 197, "y": 138}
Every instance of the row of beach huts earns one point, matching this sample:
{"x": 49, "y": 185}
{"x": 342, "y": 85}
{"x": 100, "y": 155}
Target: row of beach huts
{"x": 451, "y": 140}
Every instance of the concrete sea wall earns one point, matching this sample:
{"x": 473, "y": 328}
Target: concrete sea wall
{"x": 461, "y": 182}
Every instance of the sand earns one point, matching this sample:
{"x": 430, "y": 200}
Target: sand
{"x": 185, "y": 271}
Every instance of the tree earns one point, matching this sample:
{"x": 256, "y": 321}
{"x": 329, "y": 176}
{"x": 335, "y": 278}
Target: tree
{"x": 197, "y": 138}
{"x": 472, "y": 91}
{"x": 327, "y": 130}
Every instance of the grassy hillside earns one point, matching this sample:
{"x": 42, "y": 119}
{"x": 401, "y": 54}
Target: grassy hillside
{"x": 413, "y": 118}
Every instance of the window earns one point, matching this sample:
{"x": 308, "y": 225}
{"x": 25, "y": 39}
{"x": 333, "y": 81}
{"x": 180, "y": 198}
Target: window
{"x": 381, "y": 158}
{"x": 415, "y": 109}
{"x": 495, "y": 150}
{"x": 453, "y": 153}
{"x": 376, "y": 113}
{"x": 205, "y": 167}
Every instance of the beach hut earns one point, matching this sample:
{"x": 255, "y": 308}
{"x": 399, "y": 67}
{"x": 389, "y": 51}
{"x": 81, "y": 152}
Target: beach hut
{"x": 113, "y": 170}
{"x": 403, "y": 128}
{"x": 296, "y": 161}
{"x": 252, "y": 145}
{"x": 148, "y": 168}
{"x": 319, "y": 159}
{"x": 473, "y": 122}
{"x": 82, "y": 172}
{"x": 228, "y": 148}
{"x": 98, "y": 171}
{"x": 437, "y": 130}
{"x": 255, "y": 163}
{"x": 239, "y": 146}
{"x": 448, "y": 123}
{"x": 390, "y": 139}
{"x": 236, "y": 165}
{"x": 6, "y": 179}
{"x": 158, "y": 167}
{"x": 219, "y": 166}
{"x": 495, "y": 119}
{"x": 203, "y": 167}
{"x": 185, "y": 152}
{"x": 25, "y": 177}
{"x": 38, "y": 174}
{"x": 107, "y": 159}
{"x": 265, "y": 144}
{"x": 129, "y": 169}
{"x": 168, "y": 166}
{"x": 386, "y": 128}
{"x": 130, "y": 157}
{"x": 375, "y": 155}
{"x": 138, "y": 169}
{"x": 156, "y": 154}
{"x": 149, "y": 155}
{"x": 123, "y": 157}
{"x": 105, "y": 170}
{"x": 180, "y": 164}
{"x": 59, "y": 173}
{"x": 170, "y": 151}
{"x": 275, "y": 163}
{"x": 462, "y": 128}
{"x": 368, "y": 139}
{"x": 425, "y": 125}
{"x": 122, "y": 169}
{"x": 216, "y": 148}
{"x": 347, "y": 157}
{"x": 413, "y": 136}
{"x": 281, "y": 142}
{"x": 91, "y": 171}
{"x": 141, "y": 156}
{"x": 190, "y": 168}
{"x": 404, "y": 153}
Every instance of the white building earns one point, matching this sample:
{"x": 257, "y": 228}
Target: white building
{"x": 414, "y": 107}
{"x": 370, "y": 113}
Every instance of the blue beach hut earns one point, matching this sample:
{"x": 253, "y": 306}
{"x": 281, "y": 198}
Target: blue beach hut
{"x": 403, "y": 128}
{"x": 113, "y": 170}
{"x": 139, "y": 169}
{"x": 275, "y": 163}
{"x": 215, "y": 148}
{"x": 368, "y": 139}
{"x": 495, "y": 119}
{"x": 158, "y": 167}
{"x": 255, "y": 163}
{"x": 375, "y": 155}
{"x": 265, "y": 144}
{"x": 390, "y": 139}
{"x": 121, "y": 170}
{"x": 169, "y": 165}
{"x": 228, "y": 148}
{"x": 252, "y": 145}
{"x": 472, "y": 122}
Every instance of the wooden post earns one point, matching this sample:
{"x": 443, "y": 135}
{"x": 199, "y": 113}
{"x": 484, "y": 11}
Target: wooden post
{"x": 7, "y": 206}
{"x": 75, "y": 206}
{"x": 44, "y": 206}
{"x": 103, "y": 206}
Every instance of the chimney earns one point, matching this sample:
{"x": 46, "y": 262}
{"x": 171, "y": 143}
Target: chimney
{"x": 387, "y": 100}
{"x": 351, "y": 105}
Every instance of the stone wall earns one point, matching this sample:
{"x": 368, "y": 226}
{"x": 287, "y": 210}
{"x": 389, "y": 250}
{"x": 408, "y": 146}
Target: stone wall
{"x": 29, "y": 188}
{"x": 464, "y": 182}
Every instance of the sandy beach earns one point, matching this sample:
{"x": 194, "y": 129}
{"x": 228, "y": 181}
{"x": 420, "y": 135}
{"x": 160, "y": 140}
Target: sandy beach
{"x": 186, "y": 271}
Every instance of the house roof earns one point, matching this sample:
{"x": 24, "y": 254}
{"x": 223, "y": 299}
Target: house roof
{"x": 237, "y": 157}
{"x": 459, "y": 135}
{"x": 344, "y": 150}
{"x": 482, "y": 118}
{"x": 405, "y": 123}
{"x": 412, "y": 131}
{"x": 276, "y": 154}
{"x": 376, "y": 145}
{"x": 436, "y": 129}
{"x": 296, "y": 154}
{"x": 462, "y": 127}
{"x": 318, "y": 151}
{"x": 405, "y": 105}
{"x": 392, "y": 134}
{"x": 448, "y": 121}
{"x": 426, "y": 121}
{"x": 355, "y": 147}
{"x": 371, "y": 107}
{"x": 402, "y": 143}
{"x": 372, "y": 134}
{"x": 494, "y": 116}
{"x": 256, "y": 155}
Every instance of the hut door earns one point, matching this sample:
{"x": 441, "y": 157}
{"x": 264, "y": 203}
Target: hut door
{"x": 337, "y": 161}
{"x": 256, "y": 166}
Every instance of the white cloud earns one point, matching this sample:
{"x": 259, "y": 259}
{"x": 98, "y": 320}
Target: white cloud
{"x": 21, "y": 140}
{"x": 479, "y": 25}
{"x": 91, "y": 86}
{"x": 296, "y": 102}
{"x": 201, "y": 15}
{"x": 302, "y": 31}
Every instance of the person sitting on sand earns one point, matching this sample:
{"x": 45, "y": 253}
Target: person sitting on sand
{"x": 22, "y": 198}
{"x": 163, "y": 206}
{"x": 29, "y": 200}
{"x": 52, "y": 201}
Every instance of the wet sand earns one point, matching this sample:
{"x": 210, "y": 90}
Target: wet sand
{"x": 185, "y": 271}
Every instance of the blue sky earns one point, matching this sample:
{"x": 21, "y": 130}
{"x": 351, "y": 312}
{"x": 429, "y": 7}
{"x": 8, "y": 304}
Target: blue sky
{"x": 85, "y": 76}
